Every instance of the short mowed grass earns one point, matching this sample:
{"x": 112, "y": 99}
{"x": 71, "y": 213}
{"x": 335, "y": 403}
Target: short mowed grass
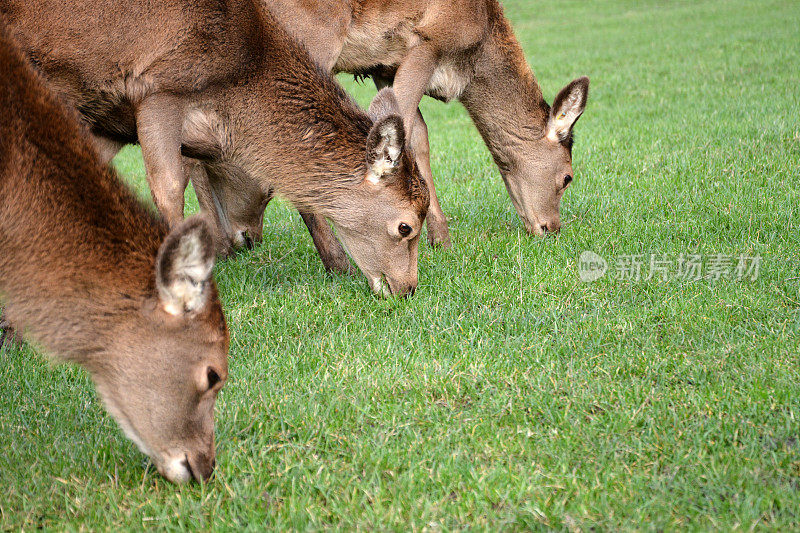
{"x": 507, "y": 393}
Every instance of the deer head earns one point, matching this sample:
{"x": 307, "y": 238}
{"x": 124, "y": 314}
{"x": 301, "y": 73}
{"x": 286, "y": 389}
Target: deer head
{"x": 380, "y": 223}
{"x": 167, "y": 359}
{"x": 537, "y": 171}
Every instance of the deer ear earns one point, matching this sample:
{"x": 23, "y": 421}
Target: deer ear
{"x": 183, "y": 267}
{"x": 384, "y": 104}
{"x": 385, "y": 145}
{"x": 567, "y": 109}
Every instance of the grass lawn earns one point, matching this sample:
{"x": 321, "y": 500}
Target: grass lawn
{"x": 506, "y": 393}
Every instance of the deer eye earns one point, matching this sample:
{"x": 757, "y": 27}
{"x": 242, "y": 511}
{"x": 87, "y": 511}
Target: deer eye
{"x": 567, "y": 180}
{"x": 404, "y": 229}
{"x": 213, "y": 378}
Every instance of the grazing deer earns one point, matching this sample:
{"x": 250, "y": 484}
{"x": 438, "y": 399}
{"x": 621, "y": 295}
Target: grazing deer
{"x": 94, "y": 278}
{"x": 221, "y": 82}
{"x": 451, "y": 49}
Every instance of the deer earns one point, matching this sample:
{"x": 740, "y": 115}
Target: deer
{"x": 462, "y": 50}
{"x": 92, "y": 277}
{"x": 222, "y": 83}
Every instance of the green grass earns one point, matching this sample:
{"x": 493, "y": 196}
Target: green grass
{"x": 506, "y": 393}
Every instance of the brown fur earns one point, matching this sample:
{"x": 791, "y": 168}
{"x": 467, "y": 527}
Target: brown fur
{"x": 449, "y": 49}
{"x": 221, "y": 82}
{"x": 78, "y": 276}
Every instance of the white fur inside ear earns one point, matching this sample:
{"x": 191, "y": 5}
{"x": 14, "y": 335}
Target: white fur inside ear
{"x": 388, "y": 153}
{"x": 185, "y": 290}
{"x": 564, "y": 118}
{"x": 378, "y": 169}
{"x": 190, "y": 260}
{"x": 391, "y": 141}
{"x": 172, "y": 308}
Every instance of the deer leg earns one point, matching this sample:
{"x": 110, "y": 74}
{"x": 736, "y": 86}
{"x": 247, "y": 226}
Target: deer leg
{"x": 410, "y": 83}
{"x": 195, "y": 172}
{"x": 159, "y": 123}
{"x": 331, "y": 251}
{"x": 438, "y": 232}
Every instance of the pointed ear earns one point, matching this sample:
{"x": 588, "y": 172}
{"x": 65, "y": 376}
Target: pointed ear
{"x": 385, "y": 145}
{"x": 567, "y": 109}
{"x": 183, "y": 267}
{"x": 384, "y": 104}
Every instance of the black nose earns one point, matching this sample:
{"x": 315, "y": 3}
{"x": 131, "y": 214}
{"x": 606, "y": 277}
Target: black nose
{"x": 248, "y": 242}
{"x": 544, "y": 228}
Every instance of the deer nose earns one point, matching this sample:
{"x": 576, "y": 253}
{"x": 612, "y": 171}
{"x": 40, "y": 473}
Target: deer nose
{"x": 201, "y": 468}
{"x": 401, "y": 289}
{"x": 550, "y": 227}
{"x": 554, "y": 226}
{"x": 248, "y": 241}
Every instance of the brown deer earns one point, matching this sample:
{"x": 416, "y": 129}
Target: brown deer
{"x": 221, "y": 82}
{"x": 92, "y": 277}
{"x": 453, "y": 49}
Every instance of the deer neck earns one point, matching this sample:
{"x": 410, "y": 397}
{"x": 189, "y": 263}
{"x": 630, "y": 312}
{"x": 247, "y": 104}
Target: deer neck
{"x": 504, "y": 99}
{"x": 290, "y": 127}
{"x": 326, "y": 187}
{"x": 306, "y": 142}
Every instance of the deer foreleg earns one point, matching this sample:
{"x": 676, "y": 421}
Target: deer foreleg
{"x": 438, "y": 232}
{"x": 159, "y": 125}
{"x": 410, "y": 84}
{"x": 331, "y": 251}
{"x": 195, "y": 173}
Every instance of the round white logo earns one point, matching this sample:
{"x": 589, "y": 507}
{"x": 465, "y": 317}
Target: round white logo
{"x": 591, "y": 266}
